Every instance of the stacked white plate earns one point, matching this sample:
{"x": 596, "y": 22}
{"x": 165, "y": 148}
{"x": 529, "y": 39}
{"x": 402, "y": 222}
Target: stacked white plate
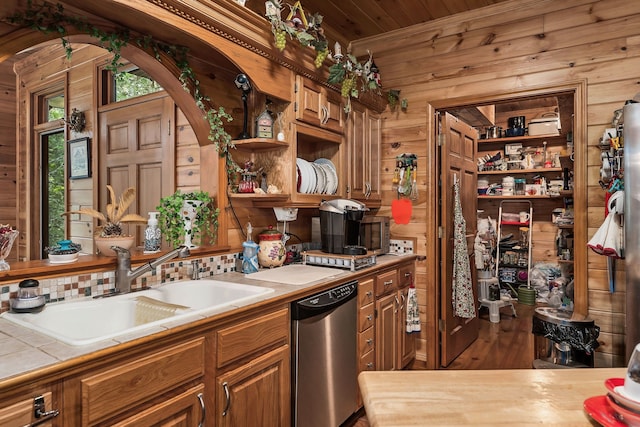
{"x": 318, "y": 177}
{"x": 329, "y": 169}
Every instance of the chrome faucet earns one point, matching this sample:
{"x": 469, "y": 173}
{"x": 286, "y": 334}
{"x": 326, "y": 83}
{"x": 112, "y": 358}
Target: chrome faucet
{"x": 124, "y": 274}
{"x": 195, "y": 270}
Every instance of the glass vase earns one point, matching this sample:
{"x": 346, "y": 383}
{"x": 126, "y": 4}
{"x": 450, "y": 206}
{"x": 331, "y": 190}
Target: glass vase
{"x": 6, "y": 243}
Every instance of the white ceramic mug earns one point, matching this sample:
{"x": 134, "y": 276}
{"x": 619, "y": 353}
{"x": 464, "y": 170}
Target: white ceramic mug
{"x": 524, "y": 216}
{"x": 632, "y": 379}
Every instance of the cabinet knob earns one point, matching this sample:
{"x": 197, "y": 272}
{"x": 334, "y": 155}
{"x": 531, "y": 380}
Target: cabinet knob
{"x": 369, "y": 294}
{"x": 369, "y": 318}
{"x": 370, "y": 365}
{"x": 369, "y": 342}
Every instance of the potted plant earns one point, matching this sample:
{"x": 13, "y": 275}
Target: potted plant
{"x": 110, "y": 232}
{"x": 187, "y": 216}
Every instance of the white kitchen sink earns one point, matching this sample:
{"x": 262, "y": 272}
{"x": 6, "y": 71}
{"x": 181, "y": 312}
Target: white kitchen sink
{"x": 92, "y": 320}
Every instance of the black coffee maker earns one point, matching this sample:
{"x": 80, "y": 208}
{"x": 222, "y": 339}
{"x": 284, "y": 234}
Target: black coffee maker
{"x": 340, "y": 226}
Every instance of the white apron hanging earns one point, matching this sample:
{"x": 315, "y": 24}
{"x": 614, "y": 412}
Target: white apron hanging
{"x": 462, "y": 286}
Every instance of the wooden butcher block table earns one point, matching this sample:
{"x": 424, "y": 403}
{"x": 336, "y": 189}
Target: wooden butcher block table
{"x": 518, "y": 397}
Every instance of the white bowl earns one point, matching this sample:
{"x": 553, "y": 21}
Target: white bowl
{"x": 63, "y": 259}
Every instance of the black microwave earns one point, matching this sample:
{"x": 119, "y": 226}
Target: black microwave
{"x": 375, "y": 234}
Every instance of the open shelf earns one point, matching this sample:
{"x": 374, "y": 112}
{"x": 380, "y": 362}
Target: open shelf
{"x": 522, "y": 197}
{"x": 258, "y": 144}
{"x": 519, "y": 171}
{"x": 553, "y": 138}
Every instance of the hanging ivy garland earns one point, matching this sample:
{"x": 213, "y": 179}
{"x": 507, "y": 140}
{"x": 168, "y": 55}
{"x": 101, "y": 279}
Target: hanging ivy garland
{"x": 49, "y": 18}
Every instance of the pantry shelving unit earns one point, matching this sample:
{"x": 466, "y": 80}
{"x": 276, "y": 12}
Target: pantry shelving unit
{"x": 514, "y": 263}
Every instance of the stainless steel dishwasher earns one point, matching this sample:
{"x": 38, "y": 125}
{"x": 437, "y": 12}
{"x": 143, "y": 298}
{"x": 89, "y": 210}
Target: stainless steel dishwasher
{"x": 324, "y": 359}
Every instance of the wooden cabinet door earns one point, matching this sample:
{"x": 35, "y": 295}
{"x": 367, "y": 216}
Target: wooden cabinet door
{"x": 356, "y": 145}
{"x": 184, "y": 410}
{"x": 406, "y": 344}
{"x": 308, "y": 98}
{"x": 364, "y": 144}
{"x": 257, "y": 393}
{"x": 331, "y": 113}
{"x": 318, "y": 106}
{"x": 386, "y": 332}
{"x": 373, "y": 149}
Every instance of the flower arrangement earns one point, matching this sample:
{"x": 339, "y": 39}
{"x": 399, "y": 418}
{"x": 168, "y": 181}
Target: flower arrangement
{"x": 7, "y": 236}
{"x": 115, "y": 215}
{"x": 352, "y": 76}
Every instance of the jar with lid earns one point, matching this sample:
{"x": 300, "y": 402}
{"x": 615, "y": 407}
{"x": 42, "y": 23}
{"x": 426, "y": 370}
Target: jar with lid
{"x": 508, "y": 186}
{"x": 519, "y": 185}
{"x": 272, "y": 251}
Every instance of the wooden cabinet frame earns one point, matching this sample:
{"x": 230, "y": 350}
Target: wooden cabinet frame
{"x": 579, "y": 90}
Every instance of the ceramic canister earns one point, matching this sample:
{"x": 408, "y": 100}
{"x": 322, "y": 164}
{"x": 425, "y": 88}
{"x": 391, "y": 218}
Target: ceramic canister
{"x": 272, "y": 250}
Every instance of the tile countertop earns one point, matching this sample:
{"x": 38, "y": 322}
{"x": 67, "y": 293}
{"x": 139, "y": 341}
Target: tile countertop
{"x": 517, "y": 397}
{"x": 24, "y": 351}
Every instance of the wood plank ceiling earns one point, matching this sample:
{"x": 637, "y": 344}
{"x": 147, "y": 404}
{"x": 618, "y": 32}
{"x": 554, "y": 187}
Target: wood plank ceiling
{"x": 348, "y": 20}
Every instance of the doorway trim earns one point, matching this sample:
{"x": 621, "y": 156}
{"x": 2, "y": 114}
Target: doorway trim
{"x": 579, "y": 90}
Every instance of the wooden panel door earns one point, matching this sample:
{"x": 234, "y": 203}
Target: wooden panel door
{"x": 457, "y": 161}
{"x": 137, "y": 149}
{"x": 184, "y": 410}
{"x": 387, "y": 332}
{"x": 356, "y": 142}
{"x": 407, "y": 344}
{"x": 257, "y": 393}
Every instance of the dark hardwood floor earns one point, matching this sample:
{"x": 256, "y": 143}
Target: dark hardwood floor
{"x": 508, "y": 344}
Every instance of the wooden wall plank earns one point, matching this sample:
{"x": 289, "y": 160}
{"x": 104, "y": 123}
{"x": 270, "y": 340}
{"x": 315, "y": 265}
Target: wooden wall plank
{"x": 594, "y": 42}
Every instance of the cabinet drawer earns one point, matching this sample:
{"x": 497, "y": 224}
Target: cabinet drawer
{"x": 368, "y": 362}
{"x": 406, "y": 275}
{"x": 21, "y": 413}
{"x": 365, "y": 317}
{"x": 110, "y": 392}
{"x": 365, "y": 292}
{"x": 248, "y": 338}
{"x": 386, "y": 282}
{"x": 365, "y": 341}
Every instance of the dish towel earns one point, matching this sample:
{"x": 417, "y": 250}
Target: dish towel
{"x": 609, "y": 239}
{"x": 462, "y": 286}
{"x": 413, "y": 312}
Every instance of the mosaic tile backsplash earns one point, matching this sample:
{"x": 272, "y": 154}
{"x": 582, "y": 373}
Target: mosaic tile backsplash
{"x": 85, "y": 285}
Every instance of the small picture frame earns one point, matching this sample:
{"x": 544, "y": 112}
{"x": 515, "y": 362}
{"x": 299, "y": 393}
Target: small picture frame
{"x": 79, "y": 158}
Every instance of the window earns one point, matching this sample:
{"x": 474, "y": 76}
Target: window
{"x": 50, "y": 108}
{"x": 52, "y": 188}
{"x": 130, "y": 83}
{"x": 49, "y": 150}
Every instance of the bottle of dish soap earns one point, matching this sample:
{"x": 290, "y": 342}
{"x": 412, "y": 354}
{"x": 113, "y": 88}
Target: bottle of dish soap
{"x": 249, "y": 253}
{"x": 152, "y": 235}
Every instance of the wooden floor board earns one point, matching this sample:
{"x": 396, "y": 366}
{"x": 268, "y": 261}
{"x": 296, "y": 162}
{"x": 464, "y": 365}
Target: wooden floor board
{"x": 504, "y": 345}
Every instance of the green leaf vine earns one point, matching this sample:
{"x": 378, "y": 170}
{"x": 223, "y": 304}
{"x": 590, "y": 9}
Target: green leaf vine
{"x": 171, "y": 221}
{"x": 51, "y": 18}
{"x": 352, "y": 76}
